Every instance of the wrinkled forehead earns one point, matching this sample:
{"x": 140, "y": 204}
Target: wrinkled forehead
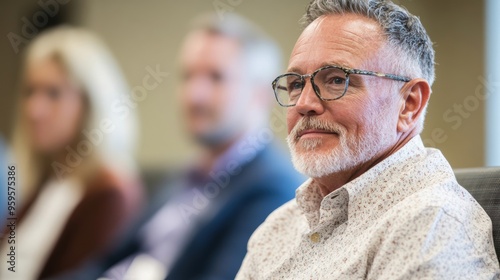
{"x": 347, "y": 40}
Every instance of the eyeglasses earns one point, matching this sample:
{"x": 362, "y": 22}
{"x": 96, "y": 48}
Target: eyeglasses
{"x": 329, "y": 83}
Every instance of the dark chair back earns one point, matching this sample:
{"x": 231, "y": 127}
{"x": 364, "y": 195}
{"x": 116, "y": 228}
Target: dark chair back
{"x": 484, "y": 185}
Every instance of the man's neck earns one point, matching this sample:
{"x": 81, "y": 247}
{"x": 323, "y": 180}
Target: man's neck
{"x": 336, "y": 180}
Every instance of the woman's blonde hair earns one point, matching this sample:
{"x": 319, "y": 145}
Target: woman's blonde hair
{"x": 92, "y": 66}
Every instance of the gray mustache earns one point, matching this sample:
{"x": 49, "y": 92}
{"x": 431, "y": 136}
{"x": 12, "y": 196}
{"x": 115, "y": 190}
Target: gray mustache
{"x": 313, "y": 123}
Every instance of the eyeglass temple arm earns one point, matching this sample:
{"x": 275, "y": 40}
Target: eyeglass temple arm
{"x": 378, "y": 74}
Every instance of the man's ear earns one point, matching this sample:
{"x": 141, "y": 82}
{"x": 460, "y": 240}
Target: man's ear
{"x": 416, "y": 95}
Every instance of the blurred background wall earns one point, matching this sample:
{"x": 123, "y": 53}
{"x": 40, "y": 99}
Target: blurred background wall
{"x": 145, "y": 35}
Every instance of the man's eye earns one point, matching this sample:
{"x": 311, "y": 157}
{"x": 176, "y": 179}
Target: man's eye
{"x": 336, "y": 81}
{"x": 295, "y": 86}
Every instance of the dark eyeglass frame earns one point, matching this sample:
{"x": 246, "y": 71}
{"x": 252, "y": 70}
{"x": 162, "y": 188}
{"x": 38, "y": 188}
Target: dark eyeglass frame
{"x": 347, "y": 72}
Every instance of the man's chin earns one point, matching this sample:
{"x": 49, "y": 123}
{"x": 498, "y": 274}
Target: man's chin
{"x": 207, "y": 140}
{"x": 315, "y": 146}
{"x": 212, "y": 139}
{"x": 322, "y": 161}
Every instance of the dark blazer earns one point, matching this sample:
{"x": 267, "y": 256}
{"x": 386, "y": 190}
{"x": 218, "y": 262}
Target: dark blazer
{"x": 218, "y": 245}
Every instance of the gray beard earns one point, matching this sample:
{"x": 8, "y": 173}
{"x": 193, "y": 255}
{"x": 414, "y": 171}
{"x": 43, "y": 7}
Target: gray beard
{"x": 351, "y": 151}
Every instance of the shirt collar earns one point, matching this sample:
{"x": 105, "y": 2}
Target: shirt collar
{"x": 317, "y": 209}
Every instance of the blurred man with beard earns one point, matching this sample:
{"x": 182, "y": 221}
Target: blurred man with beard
{"x": 201, "y": 226}
{"x": 378, "y": 204}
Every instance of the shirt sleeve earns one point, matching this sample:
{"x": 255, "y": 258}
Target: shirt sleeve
{"x": 433, "y": 245}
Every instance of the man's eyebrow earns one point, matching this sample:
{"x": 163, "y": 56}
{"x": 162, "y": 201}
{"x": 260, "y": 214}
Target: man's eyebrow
{"x": 294, "y": 70}
{"x": 340, "y": 63}
{"x": 298, "y": 70}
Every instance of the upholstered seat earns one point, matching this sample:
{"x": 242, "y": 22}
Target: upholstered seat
{"x": 484, "y": 184}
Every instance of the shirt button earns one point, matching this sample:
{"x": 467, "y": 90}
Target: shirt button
{"x": 315, "y": 237}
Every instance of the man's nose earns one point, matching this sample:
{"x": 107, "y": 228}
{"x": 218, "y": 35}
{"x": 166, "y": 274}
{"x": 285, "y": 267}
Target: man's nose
{"x": 309, "y": 103}
{"x": 198, "y": 90}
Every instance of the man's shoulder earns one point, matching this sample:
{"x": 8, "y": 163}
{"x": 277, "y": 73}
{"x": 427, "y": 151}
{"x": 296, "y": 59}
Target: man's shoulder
{"x": 431, "y": 228}
{"x": 448, "y": 199}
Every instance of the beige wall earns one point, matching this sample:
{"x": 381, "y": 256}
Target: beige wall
{"x": 457, "y": 28}
{"x": 148, "y": 33}
{"x": 13, "y": 18}
{"x": 10, "y": 17}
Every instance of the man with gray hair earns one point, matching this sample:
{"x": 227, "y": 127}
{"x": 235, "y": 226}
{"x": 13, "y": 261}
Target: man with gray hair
{"x": 378, "y": 204}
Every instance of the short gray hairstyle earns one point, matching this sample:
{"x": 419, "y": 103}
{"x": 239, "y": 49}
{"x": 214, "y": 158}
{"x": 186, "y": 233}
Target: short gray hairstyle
{"x": 262, "y": 56}
{"x": 404, "y": 32}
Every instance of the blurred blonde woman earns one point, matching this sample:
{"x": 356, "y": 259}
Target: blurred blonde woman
{"x": 73, "y": 142}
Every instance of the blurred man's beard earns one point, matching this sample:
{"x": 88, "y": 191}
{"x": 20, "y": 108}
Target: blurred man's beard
{"x": 212, "y": 139}
{"x": 206, "y": 134}
{"x": 218, "y": 134}
{"x": 350, "y": 152}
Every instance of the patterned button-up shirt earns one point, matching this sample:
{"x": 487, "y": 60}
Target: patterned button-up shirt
{"x": 405, "y": 218}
